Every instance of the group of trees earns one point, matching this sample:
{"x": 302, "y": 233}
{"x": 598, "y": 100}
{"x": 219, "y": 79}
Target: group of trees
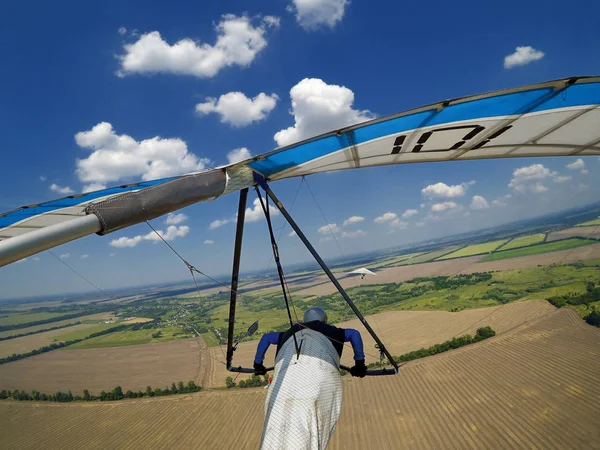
{"x": 253, "y": 381}
{"x": 14, "y": 336}
{"x": 591, "y": 294}
{"x": 456, "y": 342}
{"x": 16, "y": 326}
{"x": 116, "y": 394}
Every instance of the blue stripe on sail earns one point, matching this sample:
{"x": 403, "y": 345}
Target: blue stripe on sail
{"x": 34, "y": 210}
{"x": 535, "y": 100}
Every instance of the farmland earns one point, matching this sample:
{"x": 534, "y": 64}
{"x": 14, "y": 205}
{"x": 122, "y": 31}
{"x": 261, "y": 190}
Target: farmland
{"x": 565, "y": 244}
{"x": 523, "y": 241}
{"x": 477, "y": 249}
{"x": 532, "y": 386}
{"x": 590, "y": 223}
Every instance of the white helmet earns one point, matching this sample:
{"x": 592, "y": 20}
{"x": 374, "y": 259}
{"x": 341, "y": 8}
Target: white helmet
{"x": 315, "y": 313}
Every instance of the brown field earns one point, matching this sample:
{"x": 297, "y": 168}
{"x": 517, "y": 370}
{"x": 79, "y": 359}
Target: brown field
{"x": 533, "y": 386}
{"x": 27, "y": 343}
{"x": 98, "y": 317}
{"x": 588, "y": 232}
{"x": 131, "y": 367}
{"x": 455, "y": 266}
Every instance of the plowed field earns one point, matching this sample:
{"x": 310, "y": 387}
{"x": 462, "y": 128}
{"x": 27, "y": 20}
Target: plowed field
{"x": 533, "y": 386}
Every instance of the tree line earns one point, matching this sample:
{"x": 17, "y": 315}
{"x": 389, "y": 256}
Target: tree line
{"x": 591, "y": 295}
{"x": 14, "y": 336}
{"x": 115, "y": 394}
{"x": 456, "y": 342}
{"x": 253, "y": 381}
{"x": 17, "y": 326}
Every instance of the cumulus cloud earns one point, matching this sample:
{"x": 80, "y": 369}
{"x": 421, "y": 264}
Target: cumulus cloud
{"x": 499, "y": 203}
{"x": 409, "y": 213}
{"x": 208, "y": 242}
{"x": 218, "y": 223}
{"x": 312, "y": 14}
{"x": 21, "y": 261}
{"x": 36, "y": 258}
{"x": 329, "y": 228}
{"x": 239, "y": 41}
{"x": 61, "y": 189}
{"x": 172, "y": 232}
{"x": 444, "y": 206}
{"x": 93, "y": 187}
{"x": 398, "y": 224}
{"x": 576, "y": 165}
{"x": 115, "y": 157}
{"x": 442, "y": 190}
{"x": 522, "y": 56}
{"x": 353, "y": 219}
{"x": 256, "y": 213}
{"x": 585, "y": 172}
{"x": 84, "y": 256}
{"x": 174, "y": 219}
{"x": 42, "y": 178}
{"x": 238, "y": 154}
{"x": 562, "y": 179}
{"x": 237, "y": 110}
{"x": 479, "y": 202}
{"x": 64, "y": 255}
{"x": 352, "y": 234}
{"x": 319, "y": 107}
{"x": 529, "y": 178}
{"x": 387, "y": 217}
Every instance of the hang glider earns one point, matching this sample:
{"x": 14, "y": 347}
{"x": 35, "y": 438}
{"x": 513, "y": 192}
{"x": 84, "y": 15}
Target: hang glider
{"x": 362, "y": 272}
{"x": 557, "y": 118}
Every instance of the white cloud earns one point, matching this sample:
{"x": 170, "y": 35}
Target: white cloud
{"x": 442, "y": 190}
{"x": 172, "y": 233}
{"x": 238, "y": 110}
{"x": 499, "y": 203}
{"x": 42, "y": 178}
{"x": 353, "y": 219}
{"x": 218, "y": 223}
{"x": 238, "y": 42}
{"x": 353, "y": 234}
{"x": 21, "y": 261}
{"x": 64, "y": 255}
{"x": 292, "y": 234}
{"x": 398, "y": 224}
{"x": 585, "y": 172}
{"x": 319, "y": 107}
{"x": 530, "y": 177}
{"x": 61, "y": 189}
{"x": 36, "y": 258}
{"x": 387, "y": 217}
{"x": 479, "y": 202}
{"x": 122, "y": 30}
{"x": 522, "y": 56}
{"x": 420, "y": 224}
{"x": 115, "y": 157}
{"x": 562, "y": 179}
{"x": 409, "y": 213}
{"x": 576, "y": 165}
{"x": 174, "y": 219}
{"x": 329, "y": 228}
{"x": 84, "y": 256}
{"x": 111, "y": 254}
{"x": 208, "y": 242}
{"x": 93, "y": 187}
{"x": 238, "y": 154}
{"x": 256, "y": 213}
{"x": 444, "y": 206}
{"x": 311, "y": 14}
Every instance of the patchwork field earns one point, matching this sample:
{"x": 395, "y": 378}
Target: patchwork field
{"x": 478, "y": 249}
{"x": 523, "y": 241}
{"x": 535, "y": 385}
{"x": 92, "y": 318}
{"x": 590, "y": 223}
{"x": 587, "y": 232}
{"x": 537, "y": 249}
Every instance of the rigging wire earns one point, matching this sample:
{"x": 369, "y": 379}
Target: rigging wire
{"x": 80, "y": 275}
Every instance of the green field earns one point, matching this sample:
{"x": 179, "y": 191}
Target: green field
{"x": 85, "y": 332}
{"x": 476, "y": 249}
{"x": 590, "y": 223}
{"x": 17, "y": 319}
{"x": 523, "y": 241}
{"x": 564, "y": 244}
{"x": 131, "y": 337}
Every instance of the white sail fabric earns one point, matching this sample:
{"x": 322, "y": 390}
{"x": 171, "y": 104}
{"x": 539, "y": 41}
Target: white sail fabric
{"x": 305, "y": 397}
{"x": 362, "y": 271}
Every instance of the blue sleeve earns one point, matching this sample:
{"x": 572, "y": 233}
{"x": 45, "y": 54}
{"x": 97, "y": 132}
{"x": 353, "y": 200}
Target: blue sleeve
{"x": 354, "y": 338}
{"x": 263, "y": 345}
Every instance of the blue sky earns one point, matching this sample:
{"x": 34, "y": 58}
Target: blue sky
{"x": 69, "y": 67}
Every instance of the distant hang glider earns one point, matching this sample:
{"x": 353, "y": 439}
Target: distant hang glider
{"x": 363, "y": 271}
{"x": 557, "y": 118}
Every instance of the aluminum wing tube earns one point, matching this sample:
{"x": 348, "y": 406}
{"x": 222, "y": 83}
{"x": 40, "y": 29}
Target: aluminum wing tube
{"x": 20, "y": 247}
{"x": 134, "y": 207}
